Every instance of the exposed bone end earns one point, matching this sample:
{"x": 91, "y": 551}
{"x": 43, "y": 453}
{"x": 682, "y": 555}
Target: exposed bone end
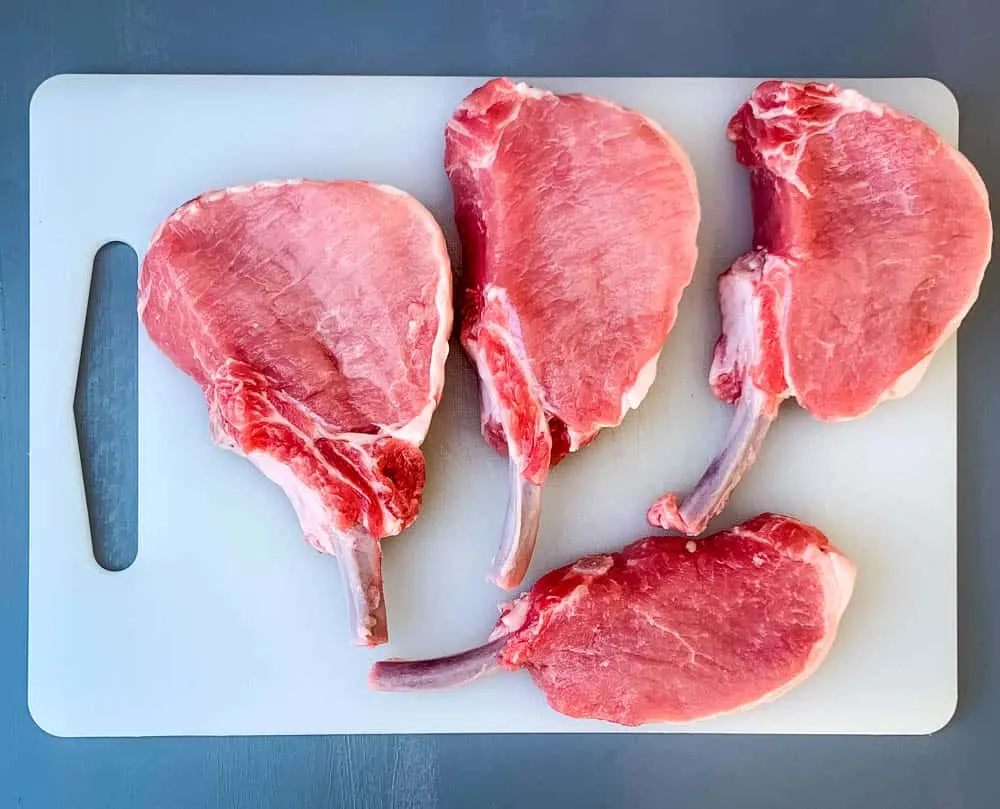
{"x": 520, "y": 531}
{"x": 665, "y": 513}
{"x": 360, "y": 558}
{"x": 436, "y": 673}
{"x": 752, "y": 418}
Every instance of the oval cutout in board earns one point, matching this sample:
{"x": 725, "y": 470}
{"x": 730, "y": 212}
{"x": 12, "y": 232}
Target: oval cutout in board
{"x": 106, "y": 407}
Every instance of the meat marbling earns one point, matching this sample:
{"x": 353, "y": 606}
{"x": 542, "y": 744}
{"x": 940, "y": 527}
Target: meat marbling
{"x": 667, "y": 630}
{"x": 578, "y": 220}
{"x": 871, "y": 237}
{"x": 315, "y": 316}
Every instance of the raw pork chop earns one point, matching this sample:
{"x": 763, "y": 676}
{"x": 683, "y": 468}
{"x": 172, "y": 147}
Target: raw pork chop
{"x": 871, "y": 236}
{"x": 668, "y": 630}
{"x": 578, "y": 221}
{"x": 315, "y": 316}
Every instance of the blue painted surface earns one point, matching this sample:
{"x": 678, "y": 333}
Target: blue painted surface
{"x": 952, "y": 41}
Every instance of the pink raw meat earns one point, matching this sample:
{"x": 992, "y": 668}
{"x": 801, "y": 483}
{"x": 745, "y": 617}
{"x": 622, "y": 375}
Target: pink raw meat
{"x": 871, "y": 237}
{"x": 668, "y": 630}
{"x": 315, "y": 316}
{"x": 578, "y": 220}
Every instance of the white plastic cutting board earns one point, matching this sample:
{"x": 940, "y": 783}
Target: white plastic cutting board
{"x": 252, "y": 639}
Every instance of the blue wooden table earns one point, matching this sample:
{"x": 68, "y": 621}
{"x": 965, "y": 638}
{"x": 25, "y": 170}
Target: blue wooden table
{"x": 953, "y": 41}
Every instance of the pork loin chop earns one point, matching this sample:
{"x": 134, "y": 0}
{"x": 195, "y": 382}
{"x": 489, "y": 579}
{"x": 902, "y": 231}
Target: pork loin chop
{"x": 578, "y": 221}
{"x": 668, "y": 630}
{"x": 871, "y": 237}
{"x": 315, "y": 316}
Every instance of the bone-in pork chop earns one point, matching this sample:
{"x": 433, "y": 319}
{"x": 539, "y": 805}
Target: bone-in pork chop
{"x": 578, "y": 221}
{"x": 871, "y": 236}
{"x": 667, "y": 630}
{"x": 315, "y": 317}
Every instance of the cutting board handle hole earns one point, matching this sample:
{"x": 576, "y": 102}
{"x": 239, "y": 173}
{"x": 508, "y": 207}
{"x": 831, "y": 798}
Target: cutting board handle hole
{"x": 106, "y": 407}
